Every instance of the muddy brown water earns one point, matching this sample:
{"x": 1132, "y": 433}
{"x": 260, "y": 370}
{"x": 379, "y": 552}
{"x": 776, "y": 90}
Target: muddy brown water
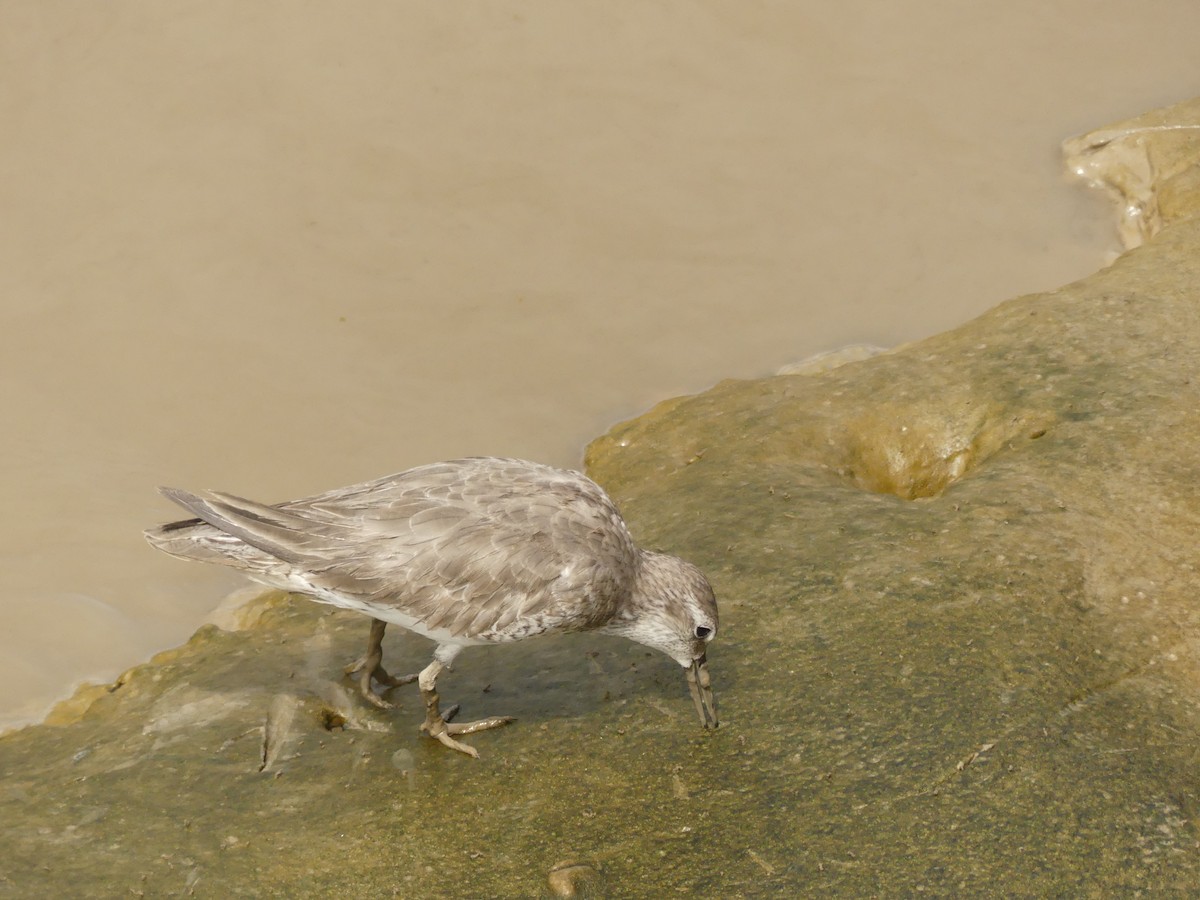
{"x": 273, "y": 249}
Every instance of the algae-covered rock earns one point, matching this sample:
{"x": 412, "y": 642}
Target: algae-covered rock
{"x": 1147, "y": 165}
{"x": 958, "y": 656}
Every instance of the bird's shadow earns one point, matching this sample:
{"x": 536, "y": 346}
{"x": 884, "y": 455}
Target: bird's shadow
{"x": 587, "y": 681}
{"x": 541, "y": 680}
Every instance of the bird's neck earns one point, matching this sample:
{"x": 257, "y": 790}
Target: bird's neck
{"x": 644, "y": 598}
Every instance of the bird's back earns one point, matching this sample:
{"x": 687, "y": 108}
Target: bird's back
{"x": 484, "y": 548}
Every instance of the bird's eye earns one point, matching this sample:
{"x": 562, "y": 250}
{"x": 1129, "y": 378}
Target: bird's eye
{"x": 703, "y": 632}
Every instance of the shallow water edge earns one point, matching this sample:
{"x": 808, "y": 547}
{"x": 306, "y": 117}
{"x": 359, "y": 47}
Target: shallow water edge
{"x": 958, "y": 656}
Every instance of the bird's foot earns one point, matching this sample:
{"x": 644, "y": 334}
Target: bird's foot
{"x": 439, "y": 726}
{"x": 367, "y": 673}
{"x": 444, "y": 731}
{"x": 370, "y": 666}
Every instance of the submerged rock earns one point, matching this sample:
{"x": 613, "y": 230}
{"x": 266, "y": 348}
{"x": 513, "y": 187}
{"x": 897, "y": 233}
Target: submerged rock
{"x": 958, "y": 655}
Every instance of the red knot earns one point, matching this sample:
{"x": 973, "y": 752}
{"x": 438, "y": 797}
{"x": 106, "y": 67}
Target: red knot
{"x": 465, "y": 552}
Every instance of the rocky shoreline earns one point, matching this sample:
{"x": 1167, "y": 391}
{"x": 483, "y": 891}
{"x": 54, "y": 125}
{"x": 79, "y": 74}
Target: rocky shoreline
{"x": 959, "y": 651}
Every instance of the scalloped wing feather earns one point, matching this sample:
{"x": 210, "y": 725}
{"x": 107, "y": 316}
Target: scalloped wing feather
{"x": 485, "y": 548}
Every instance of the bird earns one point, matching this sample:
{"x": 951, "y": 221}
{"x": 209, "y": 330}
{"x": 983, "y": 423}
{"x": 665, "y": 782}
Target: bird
{"x": 466, "y": 552}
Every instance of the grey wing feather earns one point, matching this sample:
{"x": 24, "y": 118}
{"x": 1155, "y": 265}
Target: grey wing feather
{"x": 473, "y": 546}
{"x": 264, "y": 528}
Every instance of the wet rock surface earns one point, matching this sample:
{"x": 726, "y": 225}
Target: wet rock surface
{"x": 958, "y": 655}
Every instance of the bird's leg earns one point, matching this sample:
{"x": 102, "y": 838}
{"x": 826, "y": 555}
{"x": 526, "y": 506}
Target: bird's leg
{"x": 370, "y": 667}
{"x": 436, "y": 725}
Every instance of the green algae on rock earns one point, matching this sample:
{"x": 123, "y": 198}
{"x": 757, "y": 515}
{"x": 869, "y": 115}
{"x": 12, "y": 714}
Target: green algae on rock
{"x": 958, "y": 656}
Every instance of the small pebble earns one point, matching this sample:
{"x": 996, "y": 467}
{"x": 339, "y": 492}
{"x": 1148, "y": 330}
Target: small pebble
{"x": 573, "y": 879}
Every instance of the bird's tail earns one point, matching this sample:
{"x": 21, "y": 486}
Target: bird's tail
{"x": 196, "y": 538}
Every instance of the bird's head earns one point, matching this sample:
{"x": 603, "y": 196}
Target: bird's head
{"x": 674, "y": 610}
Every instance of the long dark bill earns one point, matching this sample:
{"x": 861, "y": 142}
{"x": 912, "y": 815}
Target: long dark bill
{"x": 702, "y": 694}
